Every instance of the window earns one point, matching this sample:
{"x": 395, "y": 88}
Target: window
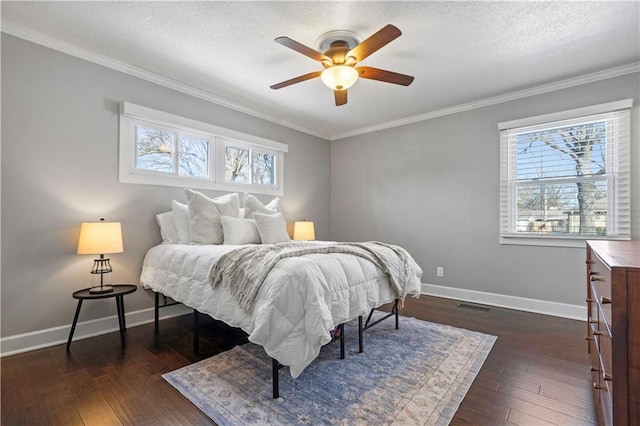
{"x": 264, "y": 167}
{"x": 236, "y": 165}
{"x": 170, "y": 151}
{"x": 248, "y": 164}
{"x": 158, "y": 148}
{"x": 565, "y": 177}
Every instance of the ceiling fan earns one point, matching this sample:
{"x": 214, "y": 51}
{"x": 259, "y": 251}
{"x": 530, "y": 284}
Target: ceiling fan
{"x": 339, "y": 60}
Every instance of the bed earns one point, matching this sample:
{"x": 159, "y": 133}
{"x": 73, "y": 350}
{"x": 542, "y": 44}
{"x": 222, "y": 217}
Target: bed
{"x": 305, "y": 296}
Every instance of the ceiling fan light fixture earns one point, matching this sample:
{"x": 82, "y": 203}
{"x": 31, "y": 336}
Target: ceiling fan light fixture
{"x": 339, "y": 52}
{"x": 339, "y": 77}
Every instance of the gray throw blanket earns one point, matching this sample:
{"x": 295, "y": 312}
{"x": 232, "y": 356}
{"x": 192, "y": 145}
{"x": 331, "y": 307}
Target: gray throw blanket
{"x": 244, "y": 270}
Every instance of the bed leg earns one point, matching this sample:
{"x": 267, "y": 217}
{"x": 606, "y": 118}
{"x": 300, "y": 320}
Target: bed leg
{"x": 196, "y": 332}
{"x": 396, "y": 310}
{"x": 341, "y": 327}
{"x": 156, "y": 313}
{"x": 360, "y": 340}
{"x": 275, "y": 366}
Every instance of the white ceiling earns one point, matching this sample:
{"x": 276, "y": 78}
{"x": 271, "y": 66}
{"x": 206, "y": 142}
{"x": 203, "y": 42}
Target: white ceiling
{"x": 459, "y": 52}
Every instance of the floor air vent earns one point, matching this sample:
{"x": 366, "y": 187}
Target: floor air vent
{"x": 473, "y": 307}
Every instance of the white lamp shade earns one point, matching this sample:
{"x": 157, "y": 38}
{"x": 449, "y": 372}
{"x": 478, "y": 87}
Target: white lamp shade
{"x": 100, "y": 238}
{"x": 339, "y": 77}
{"x": 304, "y": 231}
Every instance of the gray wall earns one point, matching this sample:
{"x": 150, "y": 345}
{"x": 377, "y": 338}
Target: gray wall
{"x": 414, "y": 185}
{"x": 60, "y": 168}
{"x": 432, "y": 187}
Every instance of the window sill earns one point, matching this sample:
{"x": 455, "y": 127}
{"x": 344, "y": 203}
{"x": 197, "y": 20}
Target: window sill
{"x": 194, "y": 183}
{"x": 553, "y": 241}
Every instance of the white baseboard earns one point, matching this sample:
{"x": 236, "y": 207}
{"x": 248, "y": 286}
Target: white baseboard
{"x": 19, "y": 343}
{"x": 57, "y": 335}
{"x": 545, "y": 307}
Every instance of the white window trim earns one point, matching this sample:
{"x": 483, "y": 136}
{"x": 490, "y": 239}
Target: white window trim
{"x": 567, "y": 115}
{"x": 506, "y": 170}
{"x": 132, "y": 114}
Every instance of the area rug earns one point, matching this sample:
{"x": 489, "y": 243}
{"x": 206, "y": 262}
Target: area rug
{"x": 418, "y": 374}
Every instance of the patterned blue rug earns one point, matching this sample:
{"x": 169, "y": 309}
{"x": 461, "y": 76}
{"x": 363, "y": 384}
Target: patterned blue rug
{"x": 418, "y": 374}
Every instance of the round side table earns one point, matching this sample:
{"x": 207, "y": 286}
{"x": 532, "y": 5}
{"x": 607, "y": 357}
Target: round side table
{"x": 119, "y": 291}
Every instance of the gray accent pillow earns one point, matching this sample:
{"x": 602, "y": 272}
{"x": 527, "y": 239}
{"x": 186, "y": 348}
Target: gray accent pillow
{"x": 272, "y": 228}
{"x": 204, "y": 216}
{"x": 253, "y": 205}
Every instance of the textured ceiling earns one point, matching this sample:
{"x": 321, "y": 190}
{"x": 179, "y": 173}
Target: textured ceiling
{"x": 459, "y": 52}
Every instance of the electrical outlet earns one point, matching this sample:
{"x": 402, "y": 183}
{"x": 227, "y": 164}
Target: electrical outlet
{"x": 440, "y": 271}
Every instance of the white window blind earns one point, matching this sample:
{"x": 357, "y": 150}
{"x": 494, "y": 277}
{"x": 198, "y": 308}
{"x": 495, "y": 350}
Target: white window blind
{"x": 566, "y": 175}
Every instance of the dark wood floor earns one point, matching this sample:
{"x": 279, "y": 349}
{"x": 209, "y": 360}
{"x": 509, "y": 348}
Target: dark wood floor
{"x": 536, "y": 374}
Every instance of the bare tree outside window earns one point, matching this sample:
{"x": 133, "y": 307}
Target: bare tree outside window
{"x": 236, "y": 165}
{"x": 193, "y": 157}
{"x": 264, "y": 168}
{"x": 154, "y": 149}
{"x": 561, "y": 180}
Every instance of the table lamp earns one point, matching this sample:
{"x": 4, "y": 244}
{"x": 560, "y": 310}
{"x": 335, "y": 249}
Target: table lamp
{"x": 304, "y": 231}
{"x": 100, "y": 238}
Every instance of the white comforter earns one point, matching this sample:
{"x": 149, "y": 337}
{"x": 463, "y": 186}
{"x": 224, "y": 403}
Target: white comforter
{"x": 301, "y": 300}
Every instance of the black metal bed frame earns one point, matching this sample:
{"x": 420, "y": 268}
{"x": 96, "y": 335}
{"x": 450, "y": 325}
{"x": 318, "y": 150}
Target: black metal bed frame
{"x": 337, "y": 334}
{"x": 395, "y": 311}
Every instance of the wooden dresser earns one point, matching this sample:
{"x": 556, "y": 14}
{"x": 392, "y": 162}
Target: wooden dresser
{"x": 613, "y": 304}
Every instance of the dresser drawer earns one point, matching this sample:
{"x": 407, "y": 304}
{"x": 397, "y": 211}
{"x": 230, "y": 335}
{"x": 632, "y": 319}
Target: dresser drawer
{"x": 600, "y": 286}
{"x": 600, "y": 276}
{"x": 594, "y": 363}
{"x": 606, "y": 370}
{"x": 601, "y": 394}
{"x": 593, "y": 312}
{"x": 606, "y": 407}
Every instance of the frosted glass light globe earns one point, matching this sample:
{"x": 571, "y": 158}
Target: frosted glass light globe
{"x": 339, "y": 77}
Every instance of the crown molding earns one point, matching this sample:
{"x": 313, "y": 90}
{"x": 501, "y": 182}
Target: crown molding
{"x": 88, "y": 55}
{"x": 520, "y": 94}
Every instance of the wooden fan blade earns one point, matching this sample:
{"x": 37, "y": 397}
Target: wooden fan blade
{"x": 301, "y": 48}
{"x": 383, "y": 37}
{"x": 384, "y": 75}
{"x": 341, "y": 97}
{"x": 295, "y": 80}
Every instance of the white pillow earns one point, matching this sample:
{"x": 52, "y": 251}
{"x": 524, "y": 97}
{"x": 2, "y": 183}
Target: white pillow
{"x": 272, "y": 228}
{"x": 239, "y": 231}
{"x": 181, "y": 221}
{"x": 253, "y": 205}
{"x": 204, "y": 216}
{"x": 167, "y": 227}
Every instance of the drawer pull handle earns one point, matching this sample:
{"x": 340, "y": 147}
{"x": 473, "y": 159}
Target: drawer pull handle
{"x": 589, "y": 300}
{"x": 608, "y": 377}
{"x": 588, "y": 338}
{"x": 597, "y": 386}
{"x": 592, "y": 273}
{"x": 594, "y": 278}
{"x": 605, "y": 300}
{"x": 597, "y": 332}
{"x": 594, "y": 368}
{"x": 590, "y": 262}
{"x": 593, "y": 321}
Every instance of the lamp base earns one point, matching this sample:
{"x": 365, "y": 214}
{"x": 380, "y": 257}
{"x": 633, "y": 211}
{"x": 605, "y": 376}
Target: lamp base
{"x": 101, "y": 289}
